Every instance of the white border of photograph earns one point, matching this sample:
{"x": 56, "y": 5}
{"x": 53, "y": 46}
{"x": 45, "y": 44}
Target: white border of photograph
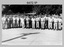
{"x": 25, "y": 2}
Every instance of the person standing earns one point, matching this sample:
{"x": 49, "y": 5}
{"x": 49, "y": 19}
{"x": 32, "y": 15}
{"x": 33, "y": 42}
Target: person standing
{"x": 7, "y": 21}
{"x": 8, "y": 24}
{"x": 10, "y": 21}
{"x": 17, "y": 21}
{"x": 46, "y": 22}
{"x": 42, "y": 22}
{"x": 3, "y": 22}
{"x": 55, "y": 23}
{"x": 33, "y": 22}
{"x": 30, "y": 22}
{"x": 59, "y": 23}
{"x": 50, "y": 22}
{"x": 37, "y": 22}
{"x": 27, "y": 22}
{"x": 22, "y": 22}
{"x": 14, "y": 21}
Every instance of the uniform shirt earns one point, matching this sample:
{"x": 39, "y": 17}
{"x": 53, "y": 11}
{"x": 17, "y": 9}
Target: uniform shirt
{"x": 3, "y": 19}
{"x": 60, "y": 20}
{"x": 55, "y": 19}
{"x": 14, "y": 19}
{"x": 37, "y": 19}
{"x": 27, "y": 20}
{"x": 17, "y": 19}
{"x": 42, "y": 19}
{"x": 50, "y": 19}
{"x": 33, "y": 20}
{"x": 22, "y": 20}
{"x": 46, "y": 18}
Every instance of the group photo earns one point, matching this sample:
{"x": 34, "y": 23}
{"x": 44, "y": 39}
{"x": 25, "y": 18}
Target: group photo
{"x": 44, "y": 21}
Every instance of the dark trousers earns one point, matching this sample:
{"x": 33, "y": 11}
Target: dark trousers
{"x": 46, "y": 24}
{"x": 30, "y": 24}
{"x": 53, "y": 25}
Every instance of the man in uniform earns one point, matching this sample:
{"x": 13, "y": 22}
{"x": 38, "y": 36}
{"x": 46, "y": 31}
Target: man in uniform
{"x": 22, "y": 22}
{"x": 10, "y": 21}
{"x": 33, "y": 22}
{"x": 55, "y": 23}
{"x": 14, "y": 21}
{"x": 37, "y": 22}
{"x": 46, "y": 22}
{"x": 17, "y": 21}
{"x": 30, "y": 22}
{"x": 27, "y": 22}
{"x": 50, "y": 22}
{"x": 59, "y": 23}
{"x": 3, "y": 21}
{"x": 42, "y": 22}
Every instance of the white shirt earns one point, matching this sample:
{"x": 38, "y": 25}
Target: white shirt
{"x": 27, "y": 19}
{"x": 14, "y": 19}
{"x": 37, "y": 19}
{"x": 45, "y": 17}
{"x": 22, "y": 20}
{"x": 17, "y": 19}
{"x": 33, "y": 19}
{"x": 50, "y": 19}
{"x": 3, "y": 19}
{"x": 60, "y": 20}
{"x": 55, "y": 19}
{"x": 42, "y": 19}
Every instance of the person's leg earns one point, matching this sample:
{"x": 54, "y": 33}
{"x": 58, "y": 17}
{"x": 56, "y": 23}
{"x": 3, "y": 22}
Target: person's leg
{"x": 47, "y": 24}
{"x": 60, "y": 26}
{"x": 35, "y": 24}
{"x": 42, "y": 25}
{"x": 50, "y": 25}
{"x": 55, "y": 26}
{"x": 39, "y": 24}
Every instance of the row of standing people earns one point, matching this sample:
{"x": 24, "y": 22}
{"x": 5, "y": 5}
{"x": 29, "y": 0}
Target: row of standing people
{"x": 38, "y": 22}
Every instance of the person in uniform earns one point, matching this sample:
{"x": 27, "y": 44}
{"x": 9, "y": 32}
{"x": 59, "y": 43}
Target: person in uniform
{"x": 42, "y": 22}
{"x": 17, "y": 21}
{"x": 55, "y": 23}
{"x": 30, "y": 22}
{"x": 3, "y": 22}
{"x": 33, "y": 22}
{"x": 27, "y": 22}
{"x": 22, "y": 22}
{"x": 50, "y": 22}
{"x": 59, "y": 23}
{"x": 14, "y": 21}
{"x": 37, "y": 22}
{"x": 10, "y": 21}
{"x": 46, "y": 22}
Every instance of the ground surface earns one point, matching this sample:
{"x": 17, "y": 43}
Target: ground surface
{"x": 31, "y": 37}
